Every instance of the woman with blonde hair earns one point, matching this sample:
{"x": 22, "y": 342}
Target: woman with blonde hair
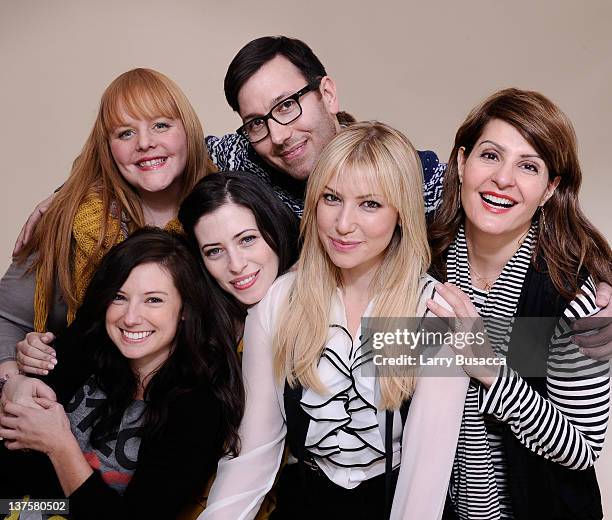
{"x": 309, "y": 371}
{"x": 144, "y": 154}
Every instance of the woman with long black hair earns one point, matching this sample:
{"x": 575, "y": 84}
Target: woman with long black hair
{"x": 151, "y": 396}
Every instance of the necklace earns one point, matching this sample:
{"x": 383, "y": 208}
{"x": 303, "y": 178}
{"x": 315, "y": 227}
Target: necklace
{"x": 487, "y": 281}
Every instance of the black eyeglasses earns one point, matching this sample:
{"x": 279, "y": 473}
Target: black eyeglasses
{"x": 284, "y": 112}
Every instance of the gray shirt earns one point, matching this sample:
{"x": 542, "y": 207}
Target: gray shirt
{"x": 17, "y": 309}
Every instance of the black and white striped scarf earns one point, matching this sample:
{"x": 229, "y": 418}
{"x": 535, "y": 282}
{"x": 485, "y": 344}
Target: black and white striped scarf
{"x": 473, "y": 487}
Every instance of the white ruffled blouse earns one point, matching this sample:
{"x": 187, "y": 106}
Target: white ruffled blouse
{"x": 346, "y": 435}
{"x": 346, "y": 432}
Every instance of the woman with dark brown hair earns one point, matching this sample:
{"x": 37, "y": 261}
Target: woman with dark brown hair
{"x": 511, "y": 241}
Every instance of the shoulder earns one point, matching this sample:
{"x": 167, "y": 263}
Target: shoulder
{"x": 583, "y": 303}
{"x": 228, "y": 151}
{"x": 89, "y": 209}
{"x": 430, "y": 161}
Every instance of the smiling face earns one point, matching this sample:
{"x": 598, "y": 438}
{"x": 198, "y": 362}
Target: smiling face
{"x": 150, "y": 154}
{"x": 355, "y": 223}
{"x": 235, "y": 252}
{"x": 293, "y": 148}
{"x": 504, "y": 180}
{"x": 143, "y": 317}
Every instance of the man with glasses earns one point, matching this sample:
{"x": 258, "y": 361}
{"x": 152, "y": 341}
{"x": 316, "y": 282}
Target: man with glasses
{"x": 290, "y": 111}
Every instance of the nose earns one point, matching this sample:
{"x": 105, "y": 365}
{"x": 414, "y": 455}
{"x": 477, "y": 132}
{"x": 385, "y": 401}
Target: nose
{"x": 145, "y": 141}
{"x": 345, "y": 222}
{"x": 133, "y": 315}
{"x": 504, "y": 175}
{"x": 278, "y": 133}
{"x": 236, "y": 261}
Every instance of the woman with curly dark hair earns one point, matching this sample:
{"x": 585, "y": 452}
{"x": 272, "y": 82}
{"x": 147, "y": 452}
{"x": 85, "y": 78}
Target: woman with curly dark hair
{"x": 151, "y": 395}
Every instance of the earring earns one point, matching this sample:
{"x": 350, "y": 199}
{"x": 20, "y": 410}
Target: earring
{"x": 542, "y": 221}
{"x": 459, "y": 193}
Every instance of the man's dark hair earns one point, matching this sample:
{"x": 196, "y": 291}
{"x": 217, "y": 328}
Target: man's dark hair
{"x": 258, "y": 52}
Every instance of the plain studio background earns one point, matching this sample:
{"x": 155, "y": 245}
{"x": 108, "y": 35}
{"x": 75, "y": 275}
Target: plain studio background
{"x": 417, "y": 66}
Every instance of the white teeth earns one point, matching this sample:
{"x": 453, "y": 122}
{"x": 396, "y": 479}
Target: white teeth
{"x": 245, "y": 281}
{"x": 136, "y": 335}
{"x": 497, "y": 201}
{"x": 153, "y": 162}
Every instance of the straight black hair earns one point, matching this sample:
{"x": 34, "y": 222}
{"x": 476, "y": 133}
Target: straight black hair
{"x": 277, "y": 224}
{"x": 259, "y": 52}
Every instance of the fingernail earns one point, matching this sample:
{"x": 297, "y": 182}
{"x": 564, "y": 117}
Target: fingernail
{"x": 53, "y": 362}
{"x": 45, "y": 372}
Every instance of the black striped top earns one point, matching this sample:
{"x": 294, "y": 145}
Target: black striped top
{"x": 567, "y": 427}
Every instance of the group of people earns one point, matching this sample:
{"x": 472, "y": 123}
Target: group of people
{"x": 187, "y": 309}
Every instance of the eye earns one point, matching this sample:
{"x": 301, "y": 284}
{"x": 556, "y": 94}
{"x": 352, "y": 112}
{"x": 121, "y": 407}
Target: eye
{"x": 213, "y": 252}
{"x": 285, "y": 106}
{"x": 248, "y": 240}
{"x": 490, "y": 156}
{"x": 254, "y": 125}
{"x": 161, "y": 125}
{"x": 153, "y": 299}
{"x": 530, "y": 167}
{"x": 118, "y": 298}
{"x": 330, "y": 198}
{"x": 125, "y": 134}
{"x": 371, "y": 204}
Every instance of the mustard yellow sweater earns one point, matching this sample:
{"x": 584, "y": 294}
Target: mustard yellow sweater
{"x": 86, "y": 230}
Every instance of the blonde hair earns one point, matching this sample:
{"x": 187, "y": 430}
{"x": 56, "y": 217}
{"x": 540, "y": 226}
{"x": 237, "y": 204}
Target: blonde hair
{"x": 142, "y": 93}
{"x": 384, "y": 157}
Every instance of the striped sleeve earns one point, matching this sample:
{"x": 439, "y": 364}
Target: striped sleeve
{"x": 569, "y": 426}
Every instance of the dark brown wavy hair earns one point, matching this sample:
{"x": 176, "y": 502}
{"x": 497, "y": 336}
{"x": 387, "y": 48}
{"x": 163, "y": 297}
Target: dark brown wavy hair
{"x": 568, "y": 242}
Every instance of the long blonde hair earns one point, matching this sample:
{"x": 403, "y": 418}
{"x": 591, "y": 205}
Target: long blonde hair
{"x": 142, "y": 93}
{"x": 388, "y": 160}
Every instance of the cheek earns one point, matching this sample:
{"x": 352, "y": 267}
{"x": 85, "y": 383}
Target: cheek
{"x": 383, "y": 227}
{"x": 324, "y": 218}
{"x": 120, "y": 152}
{"x": 112, "y": 315}
{"x": 215, "y": 269}
{"x": 265, "y": 256}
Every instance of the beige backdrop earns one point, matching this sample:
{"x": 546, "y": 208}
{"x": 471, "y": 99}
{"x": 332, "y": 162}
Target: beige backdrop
{"x": 419, "y": 66}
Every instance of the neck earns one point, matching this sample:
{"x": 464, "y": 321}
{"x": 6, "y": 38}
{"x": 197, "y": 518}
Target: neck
{"x": 488, "y": 254}
{"x": 357, "y": 280}
{"x": 160, "y": 207}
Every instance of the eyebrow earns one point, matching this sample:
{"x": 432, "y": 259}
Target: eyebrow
{"x": 273, "y": 103}
{"x": 235, "y": 236}
{"x": 497, "y": 145}
{"x": 146, "y": 293}
{"x": 366, "y": 196}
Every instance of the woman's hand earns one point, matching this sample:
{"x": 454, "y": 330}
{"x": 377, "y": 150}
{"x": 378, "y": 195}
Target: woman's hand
{"x": 24, "y": 390}
{"x": 34, "y": 355}
{"x": 43, "y": 429}
{"x": 467, "y": 321}
{"x": 598, "y": 343}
